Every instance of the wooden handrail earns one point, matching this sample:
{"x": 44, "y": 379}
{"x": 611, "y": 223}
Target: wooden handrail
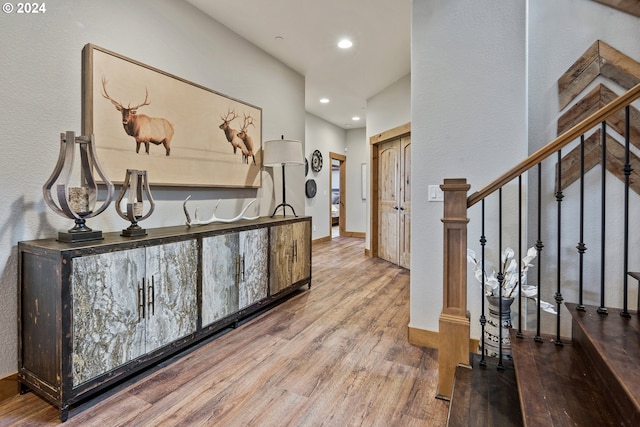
{"x": 555, "y": 145}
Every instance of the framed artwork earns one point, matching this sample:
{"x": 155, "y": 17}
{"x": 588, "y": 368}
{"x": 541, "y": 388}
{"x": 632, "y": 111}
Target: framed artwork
{"x": 181, "y": 133}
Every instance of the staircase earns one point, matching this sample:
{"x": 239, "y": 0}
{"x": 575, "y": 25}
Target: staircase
{"x": 592, "y": 380}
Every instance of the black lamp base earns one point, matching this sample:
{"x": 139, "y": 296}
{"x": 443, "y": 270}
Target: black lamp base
{"x": 134, "y": 230}
{"x": 284, "y": 207}
{"x": 79, "y": 236}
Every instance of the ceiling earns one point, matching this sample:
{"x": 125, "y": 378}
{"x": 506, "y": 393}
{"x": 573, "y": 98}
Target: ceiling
{"x": 304, "y": 34}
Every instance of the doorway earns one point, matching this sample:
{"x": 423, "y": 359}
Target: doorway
{"x": 337, "y": 195}
{"x": 391, "y": 195}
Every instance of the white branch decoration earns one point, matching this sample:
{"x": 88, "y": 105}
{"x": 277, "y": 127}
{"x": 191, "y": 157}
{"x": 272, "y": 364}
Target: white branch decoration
{"x": 214, "y": 218}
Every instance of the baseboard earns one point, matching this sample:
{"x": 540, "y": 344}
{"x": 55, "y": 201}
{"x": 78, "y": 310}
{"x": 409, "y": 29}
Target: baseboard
{"x": 358, "y": 234}
{"x": 321, "y": 239}
{"x": 8, "y": 386}
{"x": 367, "y": 252}
{"x": 431, "y": 339}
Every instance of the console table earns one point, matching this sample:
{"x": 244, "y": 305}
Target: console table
{"x": 91, "y": 314}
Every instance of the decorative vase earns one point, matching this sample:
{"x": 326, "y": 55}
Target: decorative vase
{"x": 494, "y": 323}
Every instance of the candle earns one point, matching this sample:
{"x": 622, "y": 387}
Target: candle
{"x": 137, "y": 209}
{"x": 79, "y": 199}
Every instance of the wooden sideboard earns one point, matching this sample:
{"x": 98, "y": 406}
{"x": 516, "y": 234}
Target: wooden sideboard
{"x": 92, "y": 314}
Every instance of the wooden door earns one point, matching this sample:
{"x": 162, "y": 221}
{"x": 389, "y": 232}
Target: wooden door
{"x": 394, "y": 201}
{"x": 171, "y": 292}
{"x": 302, "y": 246}
{"x": 388, "y": 195}
{"x": 404, "y": 242}
{"x": 290, "y": 249}
{"x": 108, "y": 318}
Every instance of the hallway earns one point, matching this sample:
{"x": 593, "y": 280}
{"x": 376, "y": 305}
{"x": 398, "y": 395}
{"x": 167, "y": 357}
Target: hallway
{"x": 334, "y": 355}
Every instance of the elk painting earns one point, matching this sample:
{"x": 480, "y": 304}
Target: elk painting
{"x": 206, "y": 142}
{"x": 142, "y": 128}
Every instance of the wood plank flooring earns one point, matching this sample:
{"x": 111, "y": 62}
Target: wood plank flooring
{"x": 334, "y": 355}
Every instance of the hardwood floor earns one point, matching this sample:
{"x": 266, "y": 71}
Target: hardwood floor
{"x": 334, "y": 355}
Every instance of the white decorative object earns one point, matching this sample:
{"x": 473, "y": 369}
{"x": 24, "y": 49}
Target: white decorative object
{"x": 214, "y": 218}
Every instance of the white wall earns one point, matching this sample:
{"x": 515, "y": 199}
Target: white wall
{"x": 386, "y": 110}
{"x": 468, "y": 119}
{"x": 357, "y": 155}
{"x": 325, "y": 137}
{"x": 40, "y": 84}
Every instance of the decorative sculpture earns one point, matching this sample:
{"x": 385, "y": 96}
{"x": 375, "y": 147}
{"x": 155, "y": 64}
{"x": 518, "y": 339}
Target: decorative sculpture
{"x": 214, "y": 218}
{"x": 137, "y": 183}
{"x": 77, "y": 203}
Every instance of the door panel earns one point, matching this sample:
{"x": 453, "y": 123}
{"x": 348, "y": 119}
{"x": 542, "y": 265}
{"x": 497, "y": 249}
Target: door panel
{"x": 220, "y": 276}
{"x": 405, "y": 203}
{"x": 254, "y": 249}
{"x": 171, "y": 287}
{"x": 108, "y": 321}
{"x": 388, "y": 191}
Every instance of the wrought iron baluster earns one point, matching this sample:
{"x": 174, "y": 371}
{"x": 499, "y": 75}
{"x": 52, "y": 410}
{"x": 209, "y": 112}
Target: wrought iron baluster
{"x": 500, "y": 281}
{"x": 627, "y": 172}
{"x": 539, "y": 247}
{"x": 558, "y": 295}
{"x": 520, "y": 335}
{"x": 582, "y": 248}
{"x": 483, "y": 318}
{"x": 603, "y": 225}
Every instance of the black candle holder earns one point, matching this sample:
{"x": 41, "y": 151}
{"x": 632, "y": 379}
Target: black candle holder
{"x": 136, "y": 184}
{"x": 77, "y": 203}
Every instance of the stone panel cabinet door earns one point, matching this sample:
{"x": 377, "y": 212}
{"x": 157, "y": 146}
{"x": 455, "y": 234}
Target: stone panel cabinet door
{"x": 128, "y": 303}
{"x": 234, "y": 273}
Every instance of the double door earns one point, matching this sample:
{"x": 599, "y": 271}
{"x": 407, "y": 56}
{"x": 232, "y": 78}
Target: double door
{"x": 394, "y": 201}
{"x": 131, "y": 302}
{"x": 290, "y": 255}
{"x": 234, "y": 273}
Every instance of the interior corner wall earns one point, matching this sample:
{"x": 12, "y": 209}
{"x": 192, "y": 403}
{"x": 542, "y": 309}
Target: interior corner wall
{"x": 357, "y": 156}
{"x": 468, "y": 119}
{"x": 325, "y": 137}
{"x": 40, "y": 82}
{"x": 386, "y": 110}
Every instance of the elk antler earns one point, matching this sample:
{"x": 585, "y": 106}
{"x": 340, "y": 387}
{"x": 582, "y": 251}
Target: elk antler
{"x": 119, "y": 105}
{"x": 214, "y": 218}
{"x": 248, "y": 121}
{"x": 231, "y": 115}
{"x": 106, "y": 95}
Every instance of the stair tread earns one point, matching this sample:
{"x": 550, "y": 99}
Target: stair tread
{"x": 557, "y": 385}
{"x": 485, "y": 396}
{"x": 612, "y": 344}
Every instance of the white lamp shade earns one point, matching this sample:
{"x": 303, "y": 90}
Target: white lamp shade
{"x": 282, "y": 152}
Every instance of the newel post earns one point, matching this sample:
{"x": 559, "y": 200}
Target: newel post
{"x": 454, "y": 326}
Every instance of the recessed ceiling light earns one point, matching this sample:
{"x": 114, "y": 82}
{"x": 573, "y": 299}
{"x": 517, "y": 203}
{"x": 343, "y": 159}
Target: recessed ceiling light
{"x": 279, "y": 38}
{"x": 345, "y": 44}
{"x": 324, "y": 100}
{"x": 355, "y": 118}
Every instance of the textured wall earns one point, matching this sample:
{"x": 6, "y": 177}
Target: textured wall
{"x": 40, "y": 82}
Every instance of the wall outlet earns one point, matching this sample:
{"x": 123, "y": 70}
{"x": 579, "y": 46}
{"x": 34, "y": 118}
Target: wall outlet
{"x": 435, "y": 194}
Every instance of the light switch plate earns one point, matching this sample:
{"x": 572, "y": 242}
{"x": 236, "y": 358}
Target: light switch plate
{"x": 435, "y": 194}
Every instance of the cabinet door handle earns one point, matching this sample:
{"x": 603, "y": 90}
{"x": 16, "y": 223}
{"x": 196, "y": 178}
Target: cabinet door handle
{"x": 237, "y": 269}
{"x": 401, "y": 208}
{"x": 152, "y": 297}
{"x": 242, "y": 272}
{"x": 141, "y": 300}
